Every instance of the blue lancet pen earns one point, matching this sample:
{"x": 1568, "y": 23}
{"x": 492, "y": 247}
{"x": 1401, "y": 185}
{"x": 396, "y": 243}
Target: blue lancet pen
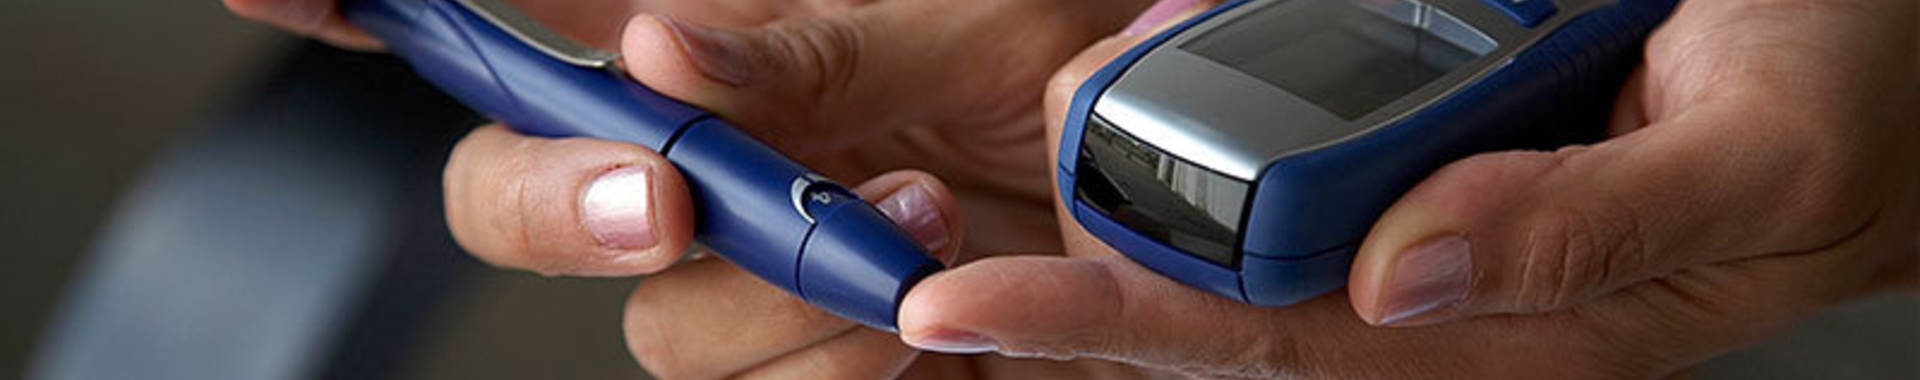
{"x": 754, "y": 206}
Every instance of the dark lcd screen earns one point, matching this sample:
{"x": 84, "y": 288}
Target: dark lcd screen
{"x": 1350, "y": 57}
{"x": 1158, "y": 195}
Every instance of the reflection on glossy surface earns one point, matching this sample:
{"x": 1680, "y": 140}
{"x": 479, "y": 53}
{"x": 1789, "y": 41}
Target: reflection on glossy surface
{"x": 1159, "y": 195}
{"x": 1348, "y": 57}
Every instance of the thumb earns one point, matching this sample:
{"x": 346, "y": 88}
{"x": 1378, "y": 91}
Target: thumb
{"x": 820, "y": 84}
{"x": 1527, "y": 232}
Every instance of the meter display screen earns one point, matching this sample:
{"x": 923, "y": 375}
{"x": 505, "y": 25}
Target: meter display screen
{"x": 1350, "y": 57}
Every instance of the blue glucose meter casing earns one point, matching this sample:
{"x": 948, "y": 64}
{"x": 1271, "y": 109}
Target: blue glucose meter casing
{"x": 753, "y": 206}
{"x": 1247, "y": 151}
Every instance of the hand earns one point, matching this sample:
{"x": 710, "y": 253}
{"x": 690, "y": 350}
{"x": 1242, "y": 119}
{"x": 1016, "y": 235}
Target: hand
{"x": 1762, "y": 167}
{"x": 596, "y": 22}
{"x": 856, "y": 89}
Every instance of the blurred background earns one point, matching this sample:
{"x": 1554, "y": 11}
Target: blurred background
{"x": 189, "y": 196}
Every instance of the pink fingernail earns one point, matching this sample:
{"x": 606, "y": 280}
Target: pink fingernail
{"x": 617, "y": 208}
{"x": 1428, "y": 278}
{"x": 951, "y": 342}
{"x": 912, "y": 208}
{"x": 1159, "y": 14}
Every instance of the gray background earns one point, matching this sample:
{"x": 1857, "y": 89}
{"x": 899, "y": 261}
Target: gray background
{"x": 96, "y": 90}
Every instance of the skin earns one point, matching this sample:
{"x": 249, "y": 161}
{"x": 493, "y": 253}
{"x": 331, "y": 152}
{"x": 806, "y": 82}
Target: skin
{"x": 1762, "y": 167}
{"x": 513, "y": 200}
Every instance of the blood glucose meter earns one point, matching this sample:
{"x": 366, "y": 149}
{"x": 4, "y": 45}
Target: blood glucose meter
{"x": 1247, "y": 151}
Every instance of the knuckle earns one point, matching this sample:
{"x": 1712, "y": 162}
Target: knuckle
{"x": 1834, "y": 195}
{"x": 830, "y": 50}
{"x": 505, "y": 192}
{"x": 1572, "y": 255}
{"x": 514, "y": 222}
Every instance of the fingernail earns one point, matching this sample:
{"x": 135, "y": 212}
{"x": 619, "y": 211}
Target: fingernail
{"x": 912, "y": 208}
{"x": 1430, "y": 277}
{"x": 952, "y": 342}
{"x": 721, "y": 55}
{"x": 1159, "y": 14}
{"x": 616, "y": 208}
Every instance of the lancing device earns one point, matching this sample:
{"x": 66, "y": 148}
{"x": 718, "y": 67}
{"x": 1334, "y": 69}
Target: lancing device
{"x": 754, "y": 206}
{"x": 1247, "y": 151}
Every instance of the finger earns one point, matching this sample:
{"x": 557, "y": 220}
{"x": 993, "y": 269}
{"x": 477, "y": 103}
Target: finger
{"x": 923, "y": 206}
{"x": 566, "y": 206}
{"x": 1716, "y": 175}
{"x": 1535, "y": 231}
{"x": 707, "y": 318}
{"x": 314, "y": 18}
{"x": 855, "y": 354}
{"x": 1663, "y": 324}
{"x": 1107, "y": 308}
{"x": 972, "y": 309}
{"x": 1103, "y": 306}
{"x": 822, "y": 84}
{"x": 1099, "y": 305}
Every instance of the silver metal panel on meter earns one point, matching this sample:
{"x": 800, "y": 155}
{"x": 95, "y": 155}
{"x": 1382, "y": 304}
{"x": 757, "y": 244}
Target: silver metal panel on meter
{"x": 1277, "y": 77}
{"x": 1165, "y": 118}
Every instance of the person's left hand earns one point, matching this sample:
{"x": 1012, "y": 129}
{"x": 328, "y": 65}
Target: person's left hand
{"x": 1763, "y": 167}
{"x": 868, "y": 92}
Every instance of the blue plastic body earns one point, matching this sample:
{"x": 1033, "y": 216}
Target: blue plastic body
{"x": 1528, "y": 13}
{"x": 754, "y": 206}
{"x": 1309, "y": 211}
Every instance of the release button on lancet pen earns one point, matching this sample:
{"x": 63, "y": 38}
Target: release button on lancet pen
{"x": 813, "y": 193}
{"x": 1528, "y": 13}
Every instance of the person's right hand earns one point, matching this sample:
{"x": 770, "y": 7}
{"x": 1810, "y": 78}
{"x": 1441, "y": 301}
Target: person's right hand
{"x": 855, "y": 89}
{"x": 1764, "y": 164}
